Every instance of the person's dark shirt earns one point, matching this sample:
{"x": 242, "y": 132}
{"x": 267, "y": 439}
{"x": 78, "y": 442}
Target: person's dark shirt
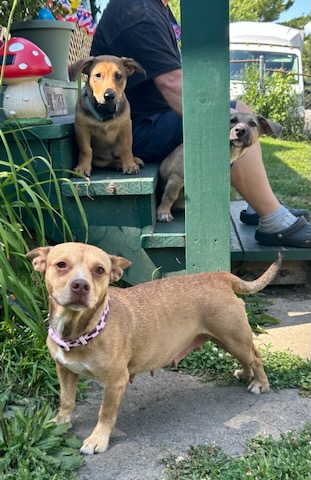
{"x": 140, "y": 29}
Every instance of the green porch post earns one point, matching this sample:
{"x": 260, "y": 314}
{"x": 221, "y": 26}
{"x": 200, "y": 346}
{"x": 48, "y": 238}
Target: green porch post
{"x": 205, "y": 60}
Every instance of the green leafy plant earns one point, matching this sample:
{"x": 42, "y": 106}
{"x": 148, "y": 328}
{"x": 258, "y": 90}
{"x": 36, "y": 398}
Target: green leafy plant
{"x": 30, "y": 198}
{"x": 265, "y": 458}
{"x": 33, "y": 448}
{"x": 28, "y": 9}
{"x": 31, "y": 207}
{"x": 274, "y": 99}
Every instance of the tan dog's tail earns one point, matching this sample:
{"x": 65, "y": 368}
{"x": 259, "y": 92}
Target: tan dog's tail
{"x": 244, "y": 287}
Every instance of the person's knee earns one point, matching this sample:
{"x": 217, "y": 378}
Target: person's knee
{"x": 242, "y": 107}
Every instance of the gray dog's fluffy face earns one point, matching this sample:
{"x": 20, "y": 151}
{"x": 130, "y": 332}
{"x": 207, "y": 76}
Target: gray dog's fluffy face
{"x": 245, "y": 129}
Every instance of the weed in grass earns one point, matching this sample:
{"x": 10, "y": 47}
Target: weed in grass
{"x": 283, "y": 369}
{"x": 256, "y": 310}
{"x": 286, "y": 370}
{"x": 33, "y": 448}
{"x": 27, "y": 371}
{"x": 287, "y": 458}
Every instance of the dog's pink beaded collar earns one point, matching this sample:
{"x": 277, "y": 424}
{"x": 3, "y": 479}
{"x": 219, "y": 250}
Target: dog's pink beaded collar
{"x": 84, "y": 339}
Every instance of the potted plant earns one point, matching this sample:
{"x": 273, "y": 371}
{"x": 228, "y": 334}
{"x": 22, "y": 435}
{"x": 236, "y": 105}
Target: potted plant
{"x": 48, "y": 24}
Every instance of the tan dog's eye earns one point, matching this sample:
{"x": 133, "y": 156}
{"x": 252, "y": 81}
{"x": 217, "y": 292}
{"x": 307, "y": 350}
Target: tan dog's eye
{"x": 99, "y": 270}
{"x": 118, "y": 76}
{"x": 98, "y": 75}
{"x": 61, "y": 265}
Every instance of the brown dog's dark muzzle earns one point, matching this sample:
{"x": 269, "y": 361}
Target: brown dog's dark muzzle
{"x": 110, "y": 95}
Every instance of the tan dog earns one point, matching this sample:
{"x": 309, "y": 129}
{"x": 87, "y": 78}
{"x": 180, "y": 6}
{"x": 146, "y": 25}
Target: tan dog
{"x": 103, "y": 125}
{"x": 148, "y": 326}
{"x": 245, "y": 129}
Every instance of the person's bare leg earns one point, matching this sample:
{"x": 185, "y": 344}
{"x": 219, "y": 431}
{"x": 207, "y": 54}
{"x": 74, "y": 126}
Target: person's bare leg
{"x": 277, "y": 225}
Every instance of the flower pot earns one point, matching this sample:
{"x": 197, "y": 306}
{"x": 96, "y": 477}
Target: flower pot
{"x": 53, "y": 37}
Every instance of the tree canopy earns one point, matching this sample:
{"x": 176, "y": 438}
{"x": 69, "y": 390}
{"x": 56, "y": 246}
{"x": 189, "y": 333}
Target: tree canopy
{"x": 258, "y": 10}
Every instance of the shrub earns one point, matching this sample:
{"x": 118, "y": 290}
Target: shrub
{"x": 274, "y": 99}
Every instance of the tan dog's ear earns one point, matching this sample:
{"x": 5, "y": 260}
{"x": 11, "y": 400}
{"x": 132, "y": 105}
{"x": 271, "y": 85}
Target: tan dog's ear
{"x": 38, "y": 257}
{"x": 81, "y": 66}
{"x": 268, "y": 127}
{"x": 118, "y": 264}
{"x": 132, "y": 66}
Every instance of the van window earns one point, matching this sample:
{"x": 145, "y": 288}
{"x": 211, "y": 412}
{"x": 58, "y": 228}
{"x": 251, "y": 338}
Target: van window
{"x": 273, "y": 61}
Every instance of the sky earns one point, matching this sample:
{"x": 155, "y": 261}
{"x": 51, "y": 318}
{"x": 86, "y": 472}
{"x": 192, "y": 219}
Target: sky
{"x": 300, "y": 7}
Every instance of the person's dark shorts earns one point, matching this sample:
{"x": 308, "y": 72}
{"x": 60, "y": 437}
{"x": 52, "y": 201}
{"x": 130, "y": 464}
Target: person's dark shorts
{"x": 158, "y": 135}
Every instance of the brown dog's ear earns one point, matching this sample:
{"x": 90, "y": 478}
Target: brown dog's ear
{"x": 118, "y": 264}
{"x": 132, "y": 66}
{"x": 269, "y": 128}
{"x": 38, "y": 257}
{"x": 81, "y": 66}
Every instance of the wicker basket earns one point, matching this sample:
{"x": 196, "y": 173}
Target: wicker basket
{"x": 80, "y": 45}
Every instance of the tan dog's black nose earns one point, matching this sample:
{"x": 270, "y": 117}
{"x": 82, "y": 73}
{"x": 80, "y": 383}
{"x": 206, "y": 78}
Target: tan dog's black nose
{"x": 80, "y": 286}
{"x": 240, "y": 131}
{"x": 109, "y": 95}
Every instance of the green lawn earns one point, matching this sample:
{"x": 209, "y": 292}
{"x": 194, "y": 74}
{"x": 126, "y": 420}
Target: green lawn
{"x": 288, "y": 165}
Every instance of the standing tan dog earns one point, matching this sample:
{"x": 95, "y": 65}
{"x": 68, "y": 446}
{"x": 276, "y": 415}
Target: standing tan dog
{"x": 245, "y": 129}
{"x": 111, "y": 334}
{"x": 103, "y": 125}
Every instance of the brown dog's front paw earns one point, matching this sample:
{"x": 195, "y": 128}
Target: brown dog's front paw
{"x": 164, "y": 216}
{"x": 132, "y": 167}
{"x": 94, "y": 444}
{"x": 83, "y": 169}
{"x": 139, "y": 161}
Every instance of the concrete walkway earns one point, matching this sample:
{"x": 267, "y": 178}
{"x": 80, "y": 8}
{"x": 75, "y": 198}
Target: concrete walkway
{"x": 168, "y": 413}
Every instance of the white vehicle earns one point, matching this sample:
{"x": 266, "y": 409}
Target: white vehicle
{"x": 273, "y": 46}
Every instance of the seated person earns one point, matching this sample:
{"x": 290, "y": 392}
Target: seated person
{"x": 146, "y": 31}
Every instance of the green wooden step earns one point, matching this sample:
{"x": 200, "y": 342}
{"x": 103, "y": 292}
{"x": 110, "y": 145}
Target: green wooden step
{"x": 253, "y": 251}
{"x": 111, "y": 182}
{"x": 243, "y": 244}
{"x": 165, "y": 234}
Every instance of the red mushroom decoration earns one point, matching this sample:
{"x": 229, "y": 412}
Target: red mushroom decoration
{"x": 25, "y": 65}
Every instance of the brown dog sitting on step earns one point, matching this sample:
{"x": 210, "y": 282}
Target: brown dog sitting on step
{"x": 245, "y": 129}
{"x": 103, "y": 125}
{"x": 111, "y": 334}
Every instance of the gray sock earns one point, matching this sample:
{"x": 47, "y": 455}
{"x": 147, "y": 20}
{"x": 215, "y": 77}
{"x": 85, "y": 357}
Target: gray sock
{"x": 277, "y": 221}
{"x": 250, "y": 210}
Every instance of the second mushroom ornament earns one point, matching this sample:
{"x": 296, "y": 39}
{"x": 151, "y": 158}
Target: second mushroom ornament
{"x": 25, "y": 64}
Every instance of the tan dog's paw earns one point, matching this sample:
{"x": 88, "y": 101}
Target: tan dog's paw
{"x": 83, "y": 169}
{"x": 257, "y": 387}
{"x": 133, "y": 167}
{"x": 60, "y": 419}
{"x": 139, "y": 161}
{"x": 95, "y": 443}
{"x": 164, "y": 215}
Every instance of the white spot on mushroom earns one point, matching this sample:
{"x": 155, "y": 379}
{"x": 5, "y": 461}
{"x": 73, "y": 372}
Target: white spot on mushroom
{"x": 23, "y": 66}
{"x": 35, "y": 53}
{"x": 47, "y": 60}
{"x": 16, "y": 47}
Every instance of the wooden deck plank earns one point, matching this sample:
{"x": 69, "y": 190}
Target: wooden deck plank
{"x": 253, "y": 251}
